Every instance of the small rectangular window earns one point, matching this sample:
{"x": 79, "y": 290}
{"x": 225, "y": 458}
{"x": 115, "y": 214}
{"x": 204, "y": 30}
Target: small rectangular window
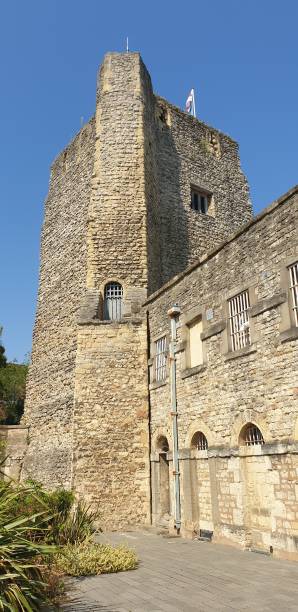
{"x": 113, "y": 302}
{"x": 293, "y": 271}
{"x": 199, "y": 201}
{"x": 195, "y": 343}
{"x": 239, "y": 321}
{"x": 161, "y": 359}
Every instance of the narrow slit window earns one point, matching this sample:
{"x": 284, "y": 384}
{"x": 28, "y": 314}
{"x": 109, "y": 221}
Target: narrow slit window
{"x": 293, "y": 271}
{"x": 239, "y": 321}
{"x": 113, "y": 301}
{"x": 161, "y": 359}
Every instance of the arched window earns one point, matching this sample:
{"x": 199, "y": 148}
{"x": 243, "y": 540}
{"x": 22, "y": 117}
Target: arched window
{"x": 251, "y": 435}
{"x": 113, "y": 301}
{"x": 162, "y": 444}
{"x": 199, "y": 441}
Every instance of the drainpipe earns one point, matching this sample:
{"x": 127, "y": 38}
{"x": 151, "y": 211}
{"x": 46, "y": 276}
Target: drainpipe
{"x": 173, "y": 313}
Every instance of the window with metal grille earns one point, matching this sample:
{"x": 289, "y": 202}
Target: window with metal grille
{"x": 113, "y": 301}
{"x": 239, "y": 321}
{"x": 199, "y": 441}
{"x": 199, "y": 201}
{"x": 161, "y": 359}
{"x": 251, "y": 435}
{"x": 293, "y": 271}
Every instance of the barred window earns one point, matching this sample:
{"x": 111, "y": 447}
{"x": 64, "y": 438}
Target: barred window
{"x": 113, "y": 301}
{"x": 239, "y": 321}
{"x": 199, "y": 201}
{"x": 199, "y": 441}
{"x": 161, "y": 359}
{"x": 293, "y": 271}
{"x": 251, "y": 435}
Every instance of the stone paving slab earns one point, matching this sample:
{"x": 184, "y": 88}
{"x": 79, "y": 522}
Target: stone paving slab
{"x": 177, "y": 575}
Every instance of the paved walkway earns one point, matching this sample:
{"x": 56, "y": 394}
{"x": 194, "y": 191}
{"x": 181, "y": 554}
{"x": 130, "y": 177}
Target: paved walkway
{"x": 177, "y": 575}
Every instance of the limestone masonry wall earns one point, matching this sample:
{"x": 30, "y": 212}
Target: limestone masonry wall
{"x": 252, "y": 488}
{"x": 111, "y": 442}
{"x": 111, "y": 435}
{"x": 117, "y": 237}
{"x": 139, "y": 230}
{"x": 49, "y": 396}
{"x": 190, "y": 153}
{"x": 119, "y": 210}
{"x": 13, "y": 447}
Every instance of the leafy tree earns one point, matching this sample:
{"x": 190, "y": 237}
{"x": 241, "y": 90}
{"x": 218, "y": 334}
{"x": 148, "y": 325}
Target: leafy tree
{"x": 12, "y": 389}
{"x": 2, "y": 351}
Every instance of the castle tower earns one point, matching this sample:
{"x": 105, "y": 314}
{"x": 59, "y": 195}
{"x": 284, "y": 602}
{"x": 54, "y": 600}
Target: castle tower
{"x": 139, "y": 194}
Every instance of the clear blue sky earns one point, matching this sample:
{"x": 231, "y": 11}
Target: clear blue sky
{"x": 241, "y": 58}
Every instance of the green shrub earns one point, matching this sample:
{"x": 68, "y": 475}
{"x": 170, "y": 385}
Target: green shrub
{"x": 54, "y": 583}
{"x": 35, "y": 499}
{"x": 78, "y": 525}
{"x": 34, "y": 496}
{"x": 88, "y": 558}
{"x": 64, "y": 520}
{"x": 66, "y": 523}
{"x": 21, "y": 584}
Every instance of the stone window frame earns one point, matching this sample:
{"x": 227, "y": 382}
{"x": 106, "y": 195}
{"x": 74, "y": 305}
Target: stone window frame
{"x": 133, "y": 298}
{"x": 199, "y": 453}
{"x": 154, "y": 384}
{"x": 113, "y": 301}
{"x": 101, "y": 291}
{"x": 227, "y": 349}
{"x": 288, "y": 328}
{"x": 203, "y": 190}
{"x": 186, "y": 319}
{"x": 256, "y": 437}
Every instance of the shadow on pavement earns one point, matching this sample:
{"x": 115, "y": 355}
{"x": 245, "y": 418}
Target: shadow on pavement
{"x": 76, "y": 605}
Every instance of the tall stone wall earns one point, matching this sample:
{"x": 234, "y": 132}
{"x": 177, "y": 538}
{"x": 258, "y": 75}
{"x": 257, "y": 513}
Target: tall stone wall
{"x": 191, "y": 153}
{"x": 50, "y": 388}
{"x": 111, "y": 441}
{"x": 117, "y": 237}
{"x": 111, "y": 436}
{"x": 118, "y": 210}
{"x": 13, "y": 448}
{"x": 139, "y": 229}
{"x": 253, "y": 490}
{"x": 148, "y": 155}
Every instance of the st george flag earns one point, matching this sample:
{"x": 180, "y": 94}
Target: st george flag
{"x": 190, "y": 103}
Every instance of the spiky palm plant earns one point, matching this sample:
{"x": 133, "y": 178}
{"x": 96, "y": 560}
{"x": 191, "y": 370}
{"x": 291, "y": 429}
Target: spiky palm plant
{"x": 78, "y": 525}
{"x": 21, "y": 585}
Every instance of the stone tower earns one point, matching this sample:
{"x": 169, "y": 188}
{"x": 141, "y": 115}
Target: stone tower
{"x": 123, "y": 209}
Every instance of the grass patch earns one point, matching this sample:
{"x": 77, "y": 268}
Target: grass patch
{"x": 88, "y": 559}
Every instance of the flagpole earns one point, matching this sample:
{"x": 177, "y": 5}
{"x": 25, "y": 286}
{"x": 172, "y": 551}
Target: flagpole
{"x": 194, "y": 104}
